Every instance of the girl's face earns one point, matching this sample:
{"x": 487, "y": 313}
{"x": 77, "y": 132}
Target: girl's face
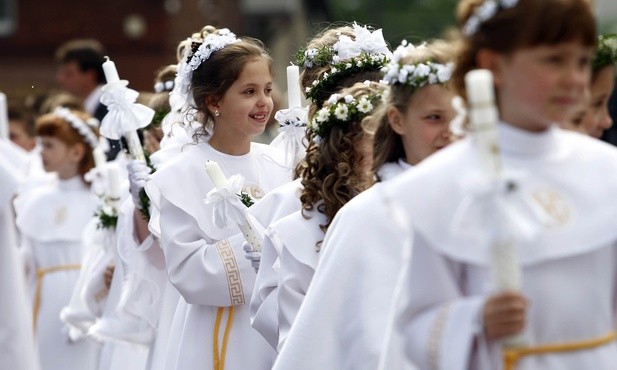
{"x": 246, "y": 106}
{"x": 424, "y": 126}
{"x": 597, "y": 118}
{"x": 59, "y": 157}
{"x": 541, "y": 85}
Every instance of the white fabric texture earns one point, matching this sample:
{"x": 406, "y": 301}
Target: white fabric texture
{"x": 16, "y": 341}
{"x": 194, "y": 250}
{"x": 51, "y": 220}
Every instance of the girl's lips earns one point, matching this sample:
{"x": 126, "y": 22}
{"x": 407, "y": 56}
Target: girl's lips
{"x": 259, "y": 116}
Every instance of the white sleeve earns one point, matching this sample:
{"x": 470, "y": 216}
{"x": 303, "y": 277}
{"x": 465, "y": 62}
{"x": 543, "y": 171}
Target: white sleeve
{"x": 294, "y": 281}
{"x": 264, "y": 302}
{"x": 205, "y": 271}
{"x": 441, "y": 325}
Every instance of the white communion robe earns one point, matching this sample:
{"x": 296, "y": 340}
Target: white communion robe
{"x": 568, "y": 268}
{"x": 16, "y": 341}
{"x": 341, "y": 323}
{"x": 297, "y": 240}
{"x": 52, "y": 220}
{"x": 206, "y": 263}
{"x": 275, "y": 205}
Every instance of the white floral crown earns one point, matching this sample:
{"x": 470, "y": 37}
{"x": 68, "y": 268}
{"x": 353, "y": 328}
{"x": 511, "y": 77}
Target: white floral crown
{"x": 418, "y": 74}
{"x": 484, "y": 12}
{"x": 83, "y": 128}
{"x": 342, "y": 110}
{"x": 368, "y": 51}
{"x": 192, "y": 59}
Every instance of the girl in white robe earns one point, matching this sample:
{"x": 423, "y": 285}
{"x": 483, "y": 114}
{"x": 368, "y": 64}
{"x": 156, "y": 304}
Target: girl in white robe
{"x": 285, "y": 200}
{"x": 16, "y": 324}
{"x": 231, "y": 83}
{"x": 413, "y": 124}
{"x": 51, "y": 220}
{"x": 453, "y": 319}
{"x": 338, "y": 167}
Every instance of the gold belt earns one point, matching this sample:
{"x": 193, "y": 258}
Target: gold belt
{"x": 219, "y": 358}
{"x": 40, "y": 274}
{"x": 511, "y": 356}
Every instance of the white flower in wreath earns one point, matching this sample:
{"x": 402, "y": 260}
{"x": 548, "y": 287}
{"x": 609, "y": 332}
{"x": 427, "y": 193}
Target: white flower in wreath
{"x": 322, "y": 115}
{"x": 348, "y": 65}
{"x": 432, "y": 79}
{"x": 402, "y": 75}
{"x": 341, "y": 112}
{"x": 364, "y": 105}
{"x": 333, "y": 70}
{"x": 444, "y": 72}
{"x": 422, "y": 70}
{"x": 348, "y": 98}
{"x": 333, "y": 99}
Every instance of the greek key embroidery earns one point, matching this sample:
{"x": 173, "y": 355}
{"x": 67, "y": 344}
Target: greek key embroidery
{"x": 234, "y": 280}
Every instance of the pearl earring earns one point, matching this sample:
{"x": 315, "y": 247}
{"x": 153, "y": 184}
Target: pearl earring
{"x": 216, "y": 113}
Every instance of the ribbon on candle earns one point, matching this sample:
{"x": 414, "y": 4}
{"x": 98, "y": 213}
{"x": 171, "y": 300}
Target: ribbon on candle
{"x": 292, "y": 130}
{"x": 227, "y": 205}
{"x": 124, "y": 116}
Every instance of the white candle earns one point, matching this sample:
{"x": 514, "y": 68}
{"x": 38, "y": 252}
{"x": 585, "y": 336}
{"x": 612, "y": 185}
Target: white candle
{"x": 484, "y": 117}
{"x": 135, "y": 148}
{"x": 111, "y": 73}
{"x": 113, "y": 181}
{"x": 99, "y": 158}
{"x": 4, "y": 118}
{"x": 216, "y": 175}
{"x": 293, "y": 86}
{"x": 219, "y": 180}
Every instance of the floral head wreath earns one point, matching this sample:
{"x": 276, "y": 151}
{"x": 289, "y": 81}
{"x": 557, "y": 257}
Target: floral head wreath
{"x": 83, "y": 128}
{"x": 341, "y": 111}
{"x": 606, "y": 53}
{"x": 415, "y": 75}
{"x": 199, "y": 52}
{"x": 485, "y": 11}
{"x": 368, "y": 52}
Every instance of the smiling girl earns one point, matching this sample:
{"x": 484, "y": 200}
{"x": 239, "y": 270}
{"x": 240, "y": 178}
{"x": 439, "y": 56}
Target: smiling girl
{"x": 229, "y": 83}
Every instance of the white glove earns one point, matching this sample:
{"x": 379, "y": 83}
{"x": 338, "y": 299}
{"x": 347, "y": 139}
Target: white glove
{"x": 252, "y": 255}
{"x": 138, "y": 172}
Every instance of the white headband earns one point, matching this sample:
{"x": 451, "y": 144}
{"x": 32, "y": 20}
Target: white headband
{"x": 83, "y": 128}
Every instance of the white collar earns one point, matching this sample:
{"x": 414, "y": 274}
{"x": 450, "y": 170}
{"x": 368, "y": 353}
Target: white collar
{"x": 74, "y": 183}
{"x": 93, "y": 100}
{"x": 519, "y": 142}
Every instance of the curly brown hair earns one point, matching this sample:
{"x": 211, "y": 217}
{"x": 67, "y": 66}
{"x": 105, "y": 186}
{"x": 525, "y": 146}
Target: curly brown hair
{"x": 388, "y": 145}
{"x": 330, "y": 173}
{"x": 52, "y": 125}
{"x": 529, "y": 23}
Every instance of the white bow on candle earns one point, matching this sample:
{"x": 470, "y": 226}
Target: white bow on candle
{"x": 227, "y": 204}
{"x": 124, "y": 116}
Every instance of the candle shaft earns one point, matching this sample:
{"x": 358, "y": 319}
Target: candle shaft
{"x": 293, "y": 86}
{"x": 4, "y": 118}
